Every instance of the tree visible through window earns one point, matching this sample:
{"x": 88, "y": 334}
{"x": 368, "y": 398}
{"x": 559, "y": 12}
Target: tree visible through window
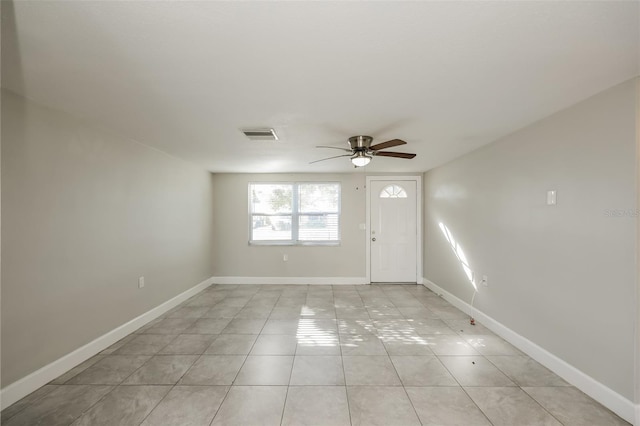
{"x": 295, "y": 213}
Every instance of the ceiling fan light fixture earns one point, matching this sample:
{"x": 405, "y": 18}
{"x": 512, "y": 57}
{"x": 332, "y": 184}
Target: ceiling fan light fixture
{"x": 360, "y": 159}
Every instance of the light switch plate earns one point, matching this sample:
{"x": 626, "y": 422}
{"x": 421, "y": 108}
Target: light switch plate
{"x": 551, "y": 198}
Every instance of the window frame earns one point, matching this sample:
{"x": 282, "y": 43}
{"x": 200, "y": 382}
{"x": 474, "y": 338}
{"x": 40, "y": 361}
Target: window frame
{"x": 295, "y": 215}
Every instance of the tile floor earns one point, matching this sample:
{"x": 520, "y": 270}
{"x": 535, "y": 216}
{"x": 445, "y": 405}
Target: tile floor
{"x": 310, "y": 355}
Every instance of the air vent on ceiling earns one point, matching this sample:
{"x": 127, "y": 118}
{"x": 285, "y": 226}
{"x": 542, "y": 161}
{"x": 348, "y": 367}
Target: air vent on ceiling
{"x": 260, "y": 134}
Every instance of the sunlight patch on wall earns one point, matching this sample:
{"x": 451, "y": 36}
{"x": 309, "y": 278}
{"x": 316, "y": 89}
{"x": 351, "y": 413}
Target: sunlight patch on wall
{"x": 457, "y": 250}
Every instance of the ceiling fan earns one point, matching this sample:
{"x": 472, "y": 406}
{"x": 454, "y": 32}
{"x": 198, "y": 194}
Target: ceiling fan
{"x": 361, "y": 151}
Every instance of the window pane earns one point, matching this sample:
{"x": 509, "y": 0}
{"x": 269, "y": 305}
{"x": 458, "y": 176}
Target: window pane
{"x": 393, "y": 191}
{"x": 271, "y": 228}
{"x": 318, "y": 227}
{"x": 319, "y": 197}
{"x": 271, "y": 198}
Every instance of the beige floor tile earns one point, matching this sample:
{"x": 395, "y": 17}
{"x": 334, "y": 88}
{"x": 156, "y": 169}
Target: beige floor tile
{"x": 380, "y": 405}
{"x": 450, "y": 345}
{"x": 189, "y": 344}
{"x": 222, "y": 311}
{"x": 208, "y": 326}
{"x": 363, "y": 344}
{"x": 29, "y": 400}
{"x": 369, "y": 371}
{"x": 445, "y": 406}
{"x": 232, "y": 344}
{"x": 416, "y": 312}
{"x": 189, "y": 312}
{"x": 252, "y": 405}
{"x": 265, "y": 370}
{"x": 524, "y": 371}
{"x": 187, "y": 406}
{"x": 111, "y": 370}
{"x": 431, "y": 326}
{"x": 317, "y": 370}
{"x": 510, "y": 406}
{"x": 125, "y": 405}
{"x": 572, "y": 407}
{"x": 316, "y": 405}
{"x": 318, "y": 344}
{"x": 60, "y": 407}
{"x": 145, "y": 344}
{"x": 212, "y": 370}
{"x": 170, "y": 326}
{"x": 274, "y": 344}
{"x": 475, "y": 371}
{"x": 422, "y": 371}
{"x": 288, "y": 327}
{"x": 162, "y": 370}
{"x": 412, "y": 344}
{"x": 76, "y": 370}
{"x": 464, "y": 327}
{"x": 244, "y": 326}
{"x": 491, "y": 345}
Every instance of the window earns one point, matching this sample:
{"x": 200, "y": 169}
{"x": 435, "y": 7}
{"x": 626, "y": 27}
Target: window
{"x": 393, "y": 191}
{"x": 294, "y": 213}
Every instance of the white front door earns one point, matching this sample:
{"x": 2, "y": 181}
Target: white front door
{"x": 393, "y": 231}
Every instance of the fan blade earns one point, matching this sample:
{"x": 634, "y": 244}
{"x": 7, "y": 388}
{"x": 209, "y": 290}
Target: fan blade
{"x": 387, "y": 144}
{"x": 394, "y": 154}
{"x": 337, "y": 156}
{"x": 335, "y": 147}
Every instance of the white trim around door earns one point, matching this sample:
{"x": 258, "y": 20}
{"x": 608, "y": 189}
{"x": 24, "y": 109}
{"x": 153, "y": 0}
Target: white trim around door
{"x": 418, "y": 181}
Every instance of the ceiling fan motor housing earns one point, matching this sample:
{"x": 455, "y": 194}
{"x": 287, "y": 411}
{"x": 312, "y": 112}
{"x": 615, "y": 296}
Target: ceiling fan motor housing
{"x": 360, "y": 143}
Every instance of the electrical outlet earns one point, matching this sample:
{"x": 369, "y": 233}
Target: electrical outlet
{"x": 485, "y": 281}
{"x": 141, "y": 282}
{"x": 285, "y": 257}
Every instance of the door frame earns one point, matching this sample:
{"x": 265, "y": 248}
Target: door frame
{"x": 418, "y": 180}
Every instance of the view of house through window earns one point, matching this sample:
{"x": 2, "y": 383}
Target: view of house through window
{"x": 294, "y": 212}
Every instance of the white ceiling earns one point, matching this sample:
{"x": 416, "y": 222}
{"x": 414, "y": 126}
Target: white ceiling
{"x": 447, "y": 77}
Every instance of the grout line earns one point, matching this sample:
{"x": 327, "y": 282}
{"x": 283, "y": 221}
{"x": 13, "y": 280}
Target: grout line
{"x": 344, "y": 374}
{"x": 31, "y": 403}
{"x": 95, "y": 403}
{"x": 539, "y": 404}
{"x": 181, "y": 376}
{"x": 228, "y": 387}
{"x": 286, "y": 395}
{"x": 463, "y": 389}
{"x": 243, "y": 362}
{"x": 402, "y": 384}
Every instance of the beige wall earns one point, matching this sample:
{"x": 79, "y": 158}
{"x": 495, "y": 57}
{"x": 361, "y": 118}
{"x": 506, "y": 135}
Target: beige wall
{"x": 234, "y": 257}
{"x": 563, "y": 276}
{"x": 85, "y": 213}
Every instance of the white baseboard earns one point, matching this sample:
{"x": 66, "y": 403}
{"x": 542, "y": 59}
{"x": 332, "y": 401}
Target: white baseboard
{"x": 596, "y": 390}
{"x": 23, "y": 387}
{"x": 292, "y": 280}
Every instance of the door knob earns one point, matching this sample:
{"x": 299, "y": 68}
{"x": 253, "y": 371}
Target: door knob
{"x": 373, "y": 239}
